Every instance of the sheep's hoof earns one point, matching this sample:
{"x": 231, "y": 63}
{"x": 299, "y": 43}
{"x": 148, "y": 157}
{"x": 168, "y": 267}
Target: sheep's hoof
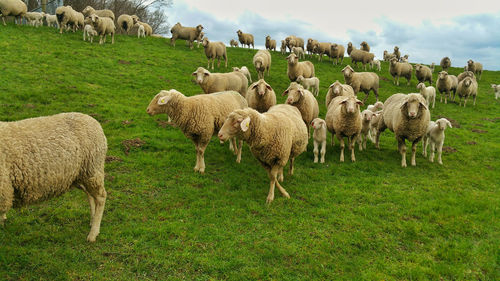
{"x": 403, "y": 165}
{"x": 440, "y": 162}
{"x": 286, "y": 195}
{"x": 315, "y": 160}
{"x": 322, "y": 160}
{"x": 413, "y": 163}
{"x": 91, "y": 238}
{"x": 269, "y": 199}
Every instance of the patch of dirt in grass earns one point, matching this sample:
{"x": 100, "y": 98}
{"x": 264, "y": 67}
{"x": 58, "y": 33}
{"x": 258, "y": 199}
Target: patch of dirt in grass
{"x": 111, "y": 158}
{"x": 128, "y": 144}
{"x": 109, "y": 178}
{"x": 471, "y": 143}
{"x": 492, "y": 119}
{"x": 449, "y": 149}
{"x": 164, "y": 124}
{"x": 91, "y": 105}
{"x": 453, "y": 122}
{"x": 127, "y": 122}
{"x": 123, "y": 62}
{"x": 29, "y": 105}
{"x": 384, "y": 78}
{"x": 479, "y": 131}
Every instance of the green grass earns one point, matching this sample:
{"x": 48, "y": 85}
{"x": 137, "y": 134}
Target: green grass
{"x": 368, "y": 220}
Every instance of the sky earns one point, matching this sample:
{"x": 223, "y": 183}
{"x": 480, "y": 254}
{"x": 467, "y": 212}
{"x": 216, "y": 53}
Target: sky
{"x": 426, "y": 30}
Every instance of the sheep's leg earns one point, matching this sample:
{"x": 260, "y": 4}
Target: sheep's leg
{"x": 474, "y": 101}
{"x": 425, "y": 143}
{"x": 380, "y": 128}
{"x": 413, "y": 152}
{"x": 240, "y": 148}
{"x": 6, "y": 198}
{"x": 397, "y": 81}
{"x": 290, "y": 171}
{"x": 200, "y": 157}
{"x": 225, "y": 59}
{"x": 352, "y": 144}
{"x": 95, "y": 186}
{"x": 360, "y": 142}
{"x": 280, "y": 175}
{"x": 3, "y": 19}
{"x": 100, "y": 39}
{"x": 113, "y": 38}
{"x": 402, "y": 151}
{"x": 272, "y": 178}
{"x": 342, "y": 145}
{"x": 323, "y": 151}
{"x": 208, "y": 63}
{"x": 232, "y": 145}
{"x": 315, "y": 151}
{"x": 333, "y": 139}
{"x": 433, "y": 149}
{"x": 439, "y": 152}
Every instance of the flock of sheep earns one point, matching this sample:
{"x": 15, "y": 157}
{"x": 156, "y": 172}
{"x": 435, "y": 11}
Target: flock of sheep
{"x": 234, "y": 111}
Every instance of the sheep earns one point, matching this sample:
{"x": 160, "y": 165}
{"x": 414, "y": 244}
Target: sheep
{"x": 433, "y": 65}
{"x": 319, "y": 137}
{"x": 423, "y": 73}
{"x": 372, "y": 132}
{"x": 408, "y": 117}
{"x": 102, "y": 13}
{"x": 361, "y": 81}
{"x": 126, "y": 22}
{"x": 245, "y": 39}
{"x": 218, "y": 82}
{"x": 304, "y": 101}
{"x": 322, "y": 48}
{"x": 337, "y": 89}
{"x": 274, "y": 137}
{"x": 66, "y": 17}
{"x": 199, "y": 117}
{"x": 475, "y": 67}
{"x": 337, "y": 52}
{"x": 89, "y": 32}
{"x": 349, "y": 48}
{"x": 376, "y": 106}
{"x": 233, "y": 43}
{"x": 214, "y": 50}
{"x": 44, "y": 157}
{"x": 34, "y": 18}
{"x": 294, "y": 41}
{"x": 404, "y": 58}
{"x": 366, "y": 117}
{"x": 245, "y": 72}
{"x": 496, "y": 88}
{"x": 261, "y": 96}
{"x": 310, "y": 45}
{"x": 361, "y": 56}
{"x": 388, "y": 56}
{"x": 446, "y": 83}
{"x": 51, "y": 20}
{"x": 397, "y": 53}
{"x": 464, "y": 74}
{"x": 15, "y": 8}
{"x": 299, "y": 52}
{"x": 435, "y": 136}
{"x": 148, "y": 30}
{"x": 283, "y": 47}
{"x": 309, "y": 83}
{"x": 185, "y": 33}
{"x": 200, "y": 38}
{"x": 467, "y": 87}
{"x": 270, "y": 43}
{"x": 80, "y": 20}
{"x": 429, "y": 93}
{"x": 365, "y": 47}
{"x": 375, "y": 63}
{"x": 343, "y": 119}
{"x": 103, "y": 26}
{"x": 398, "y": 69}
{"x": 262, "y": 62}
{"x": 140, "y": 31}
{"x": 445, "y": 63}
{"x": 296, "y": 68}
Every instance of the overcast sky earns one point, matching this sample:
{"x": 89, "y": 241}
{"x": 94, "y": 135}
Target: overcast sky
{"x": 426, "y": 30}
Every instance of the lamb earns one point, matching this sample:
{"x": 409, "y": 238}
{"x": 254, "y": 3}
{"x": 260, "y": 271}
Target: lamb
{"x": 464, "y": 74}
{"x": 294, "y": 41}
{"x": 337, "y": 52}
{"x": 185, "y": 33}
{"x": 15, "y": 8}
{"x": 140, "y": 31}
{"x": 299, "y": 52}
{"x": 219, "y": 82}
{"x": 101, "y": 13}
{"x": 375, "y": 63}
{"x": 366, "y": 117}
{"x": 270, "y": 43}
{"x": 199, "y": 117}
{"x": 309, "y": 83}
{"x": 375, "y": 107}
{"x": 245, "y": 39}
{"x": 89, "y": 32}
{"x": 310, "y": 46}
{"x": 365, "y": 47}
{"x": 446, "y": 83}
{"x": 397, "y": 53}
{"x": 361, "y": 56}
{"x": 261, "y": 96}
{"x": 44, "y": 157}
{"x": 51, "y": 20}
{"x": 103, "y": 26}
{"x": 262, "y": 62}
{"x": 445, "y": 63}
{"x": 423, "y": 73}
{"x": 283, "y": 47}
{"x": 148, "y": 30}
{"x": 274, "y": 137}
{"x": 304, "y": 101}
{"x": 245, "y": 72}
{"x": 296, "y": 68}
{"x": 433, "y": 65}
{"x": 408, "y": 117}
{"x": 435, "y": 136}
{"x": 233, "y": 43}
{"x": 337, "y": 89}
{"x": 361, "y": 81}
{"x": 343, "y": 119}
{"x": 398, "y": 69}
{"x": 475, "y": 67}
{"x": 319, "y": 137}
{"x": 34, "y": 18}
{"x": 322, "y": 48}
{"x": 466, "y": 88}
{"x": 126, "y": 22}
{"x": 496, "y": 88}
{"x": 66, "y": 17}
{"x": 214, "y": 50}
{"x": 429, "y": 93}
{"x": 374, "y": 124}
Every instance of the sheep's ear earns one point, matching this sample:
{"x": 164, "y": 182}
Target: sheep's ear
{"x": 343, "y": 101}
{"x": 194, "y": 73}
{"x": 331, "y": 86}
{"x": 269, "y": 87}
{"x": 285, "y": 92}
{"x": 424, "y": 105}
{"x": 245, "y": 124}
{"x": 206, "y": 73}
{"x": 301, "y": 92}
{"x": 359, "y": 102}
{"x": 403, "y": 105}
{"x": 448, "y": 123}
{"x": 163, "y": 100}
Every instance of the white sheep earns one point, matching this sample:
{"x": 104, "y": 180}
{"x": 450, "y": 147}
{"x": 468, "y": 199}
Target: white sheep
{"x": 466, "y": 88}
{"x": 309, "y": 83}
{"x": 296, "y": 68}
{"x": 66, "y": 17}
{"x": 304, "y": 101}
{"x": 283, "y": 47}
{"x": 366, "y": 118}
{"x": 319, "y": 137}
{"x": 245, "y": 39}
{"x": 445, "y": 63}
{"x": 270, "y": 43}
{"x": 374, "y": 125}
{"x": 44, "y": 157}
{"x": 126, "y": 22}
{"x": 245, "y": 71}
{"x": 185, "y": 33}
{"x": 51, "y": 20}
{"x": 475, "y": 67}
{"x": 219, "y": 82}
{"x": 337, "y": 89}
{"x": 15, "y": 8}
{"x": 103, "y": 26}
{"x": 214, "y": 50}
{"x": 361, "y": 81}
{"x": 446, "y": 83}
{"x": 262, "y": 62}
{"x": 299, "y": 52}
{"x": 233, "y": 43}
{"x": 423, "y": 73}
{"x": 433, "y": 65}
{"x": 140, "y": 31}
{"x": 496, "y": 88}
{"x": 101, "y": 13}
{"x": 337, "y": 52}
{"x": 435, "y": 136}
{"x": 261, "y": 96}
{"x": 89, "y": 32}
{"x": 34, "y": 18}
{"x": 398, "y": 69}
{"x": 375, "y": 63}
{"x": 429, "y": 94}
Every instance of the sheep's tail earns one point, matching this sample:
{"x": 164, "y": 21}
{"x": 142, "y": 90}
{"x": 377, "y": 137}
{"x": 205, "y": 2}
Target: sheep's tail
{"x": 124, "y": 25}
{"x": 60, "y": 17}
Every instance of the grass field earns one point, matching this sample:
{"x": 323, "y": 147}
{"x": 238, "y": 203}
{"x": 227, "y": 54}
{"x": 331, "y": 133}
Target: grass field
{"x": 368, "y": 220}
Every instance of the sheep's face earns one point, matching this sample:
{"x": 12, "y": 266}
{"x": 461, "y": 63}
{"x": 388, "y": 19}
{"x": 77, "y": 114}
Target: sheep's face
{"x": 94, "y": 18}
{"x": 156, "y": 106}
{"x": 411, "y": 107}
{"x": 201, "y": 74}
{"x": 420, "y": 86}
{"x": 348, "y": 71}
{"x": 239, "y": 32}
{"x": 199, "y": 27}
{"x": 235, "y": 122}
{"x": 261, "y": 87}
{"x": 367, "y": 115}
{"x": 442, "y": 75}
{"x": 379, "y": 105}
{"x": 292, "y": 59}
{"x": 135, "y": 19}
{"x": 467, "y": 82}
{"x": 295, "y": 94}
{"x": 268, "y": 38}
{"x": 205, "y": 42}
{"x": 88, "y": 10}
{"x": 318, "y": 123}
{"x": 351, "y": 105}
{"x": 418, "y": 67}
{"x": 336, "y": 88}
{"x": 299, "y": 79}
{"x": 470, "y": 63}
{"x": 396, "y": 49}
{"x": 442, "y": 123}
{"x": 349, "y": 44}
{"x": 394, "y": 61}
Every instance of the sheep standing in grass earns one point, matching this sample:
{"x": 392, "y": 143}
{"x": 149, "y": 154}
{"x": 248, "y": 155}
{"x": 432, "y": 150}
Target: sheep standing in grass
{"x": 433, "y": 65}
{"x": 361, "y": 81}
{"x": 219, "y": 82}
{"x": 445, "y": 63}
{"x": 361, "y": 56}
{"x": 51, "y": 20}
{"x": 429, "y": 94}
{"x": 148, "y": 30}
{"x": 398, "y": 69}
{"x": 388, "y": 56}
{"x": 44, "y": 157}
{"x": 310, "y": 46}
{"x": 66, "y": 17}
{"x": 89, "y": 32}
{"x": 349, "y": 48}
{"x": 299, "y": 52}
{"x": 245, "y": 72}
{"x": 366, "y": 118}
{"x": 397, "y": 53}
{"x": 446, "y": 83}
{"x": 294, "y": 41}
{"x": 475, "y": 67}
{"x": 337, "y": 89}
{"x": 262, "y": 62}
{"x": 15, "y": 8}
{"x": 274, "y": 137}
{"x": 404, "y": 58}
{"x": 140, "y": 31}
{"x": 496, "y": 88}
{"x": 34, "y": 18}
{"x": 423, "y": 73}
{"x": 283, "y": 47}
{"x": 304, "y": 101}
{"x": 365, "y": 47}
{"x": 126, "y": 22}
{"x": 375, "y": 63}
{"x": 261, "y": 96}
{"x": 245, "y": 39}
{"x": 337, "y": 52}
{"x": 319, "y": 137}
{"x": 408, "y": 117}
{"x": 322, "y": 48}
{"x": 464, "y": 74}
{"x": 103, "y": 26}
{"x": 199, "y": 117}
{"x": 233, "y": 43}
{"x": 102, "y": 13}
{"x": 466, "y": 88}
{"x": 435, "y": 136}
{"x": 270, "y": 44}
{"x": 296, "y": 68}
{"x": 374, "y": 125}
{"x": 214, "y": 50}
{"x": 309, "y": 83}
{"x": 185, "y": 33}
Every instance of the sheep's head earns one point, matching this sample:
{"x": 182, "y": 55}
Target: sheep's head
{"x": 334, "y": 47}
{"x": 318, "y": 123}
{"x": 470, "y": 63}
{"x": 336, "y": 88}
{"x": 418, "y": 67}
{"x": 493, "y": 86}
{"x": 348, "y": 71}
{"x": 367, "y": 115}
{"x": 385, "y": 52}
{"x": 157, "y": 104}
{"x": 239, "y": 32}
{"x": 135, "y": 18}
{"x": 442, "y": 75}
{"x": 88, "y": 10}
{"x": 199, "y": 27}
{"x": 350, "y": 105}
{"x": 258, "y": 63}
{"x": 393, "y": 61}
{"x": 442, "y": 123}
{"x": 94, "y": 18}
{"x": 413, "y": 105}
{"x": 467, "y": 82}
{"x": 201, "y": 74}
{"x": 236, "y": 122}
{"x": 379, "y": 105}
{"x": 363, "y": 44}
{"x": 268, "y": 38}
{"x": 292, "y": 59}
{"x": 205, "y": 42}
{"x": 299, "y": 79}
{"x": 295, "y": 93}
{"x": 420, "y": 86}
{"x": 349, "y": 44}
{"x": 396, "y": 48}
{"x": 261, "y": 87}
{"x": 309, "y": 41}
{"x": 236, "y": 69}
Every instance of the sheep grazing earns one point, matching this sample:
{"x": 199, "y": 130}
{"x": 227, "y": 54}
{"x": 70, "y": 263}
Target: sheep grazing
{"x": 337, "y": 52}
{"x": 89, "y": 32}
{"x": 261, "y": 96}
{"x": 233, "y": 43}
{"x": 185, "y": 33}
{"x": 429, "y": 94}
{"x": 67, "y": 17}
{"x": 103, "y": 26}
{"x": 304, "y": 101}
{"x": 435, "y": 136}
{"x": 126, "y": 22}
{"x": 398, "y": 69}
{"x": 51, "y": 20}
{"x": 376, "y": 106}
{"x": 322, "y": 48}
{"x": 475, "y": 67}
{"x": 365, "y": 47}
{"x": 496, "y": 88}
{"x": 262, "y": 62}
{"x": 423, "y": 73}
{"x": 219, "y": 82}
{"x": 299, "y": 52}
{"x": 274, "y": 137}
{"x": 245, "y": 39}
{"x": 446, "y": 83}
{"x": 296, "y": 68}
{"x": 445, "y": 63}
{"x": 433, "y": 65}
{"x": 361, "y": 56}
{"x": 466, "y": 88}
{"x": 361, "y": 81}
{"x": 34, "y": 18}
{"x": 15, "y": 8}
{"x": 319, "y": 138}
{"x": 366, "y": 118}
{"x": 464, "y": 74}
{"x": 343, "y": 119}
{"x": 349, "y": 48}
{"x": 140, "y": 31}
{"x": 102, "y": 13}
{"x": 245, "y": 72}
{"x": 397, "y": 53}
{"x": 337, "y": 89}
{"x": 294, "y": 41}
{"x": 283, "y": 47}
{"x": 44, "y": 157}
{"x": 309, "y": 83}
{"x": 214, "y": 50}
{"x": 310, "y": 45}
{"x": 270, "y": 44}
{"x": 408, "y": 117}
{"x": 199, "y": 117}
{"x": 375, "y": 63}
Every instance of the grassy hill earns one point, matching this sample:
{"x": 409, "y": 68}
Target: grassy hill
{"x": 368, "y": 220}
